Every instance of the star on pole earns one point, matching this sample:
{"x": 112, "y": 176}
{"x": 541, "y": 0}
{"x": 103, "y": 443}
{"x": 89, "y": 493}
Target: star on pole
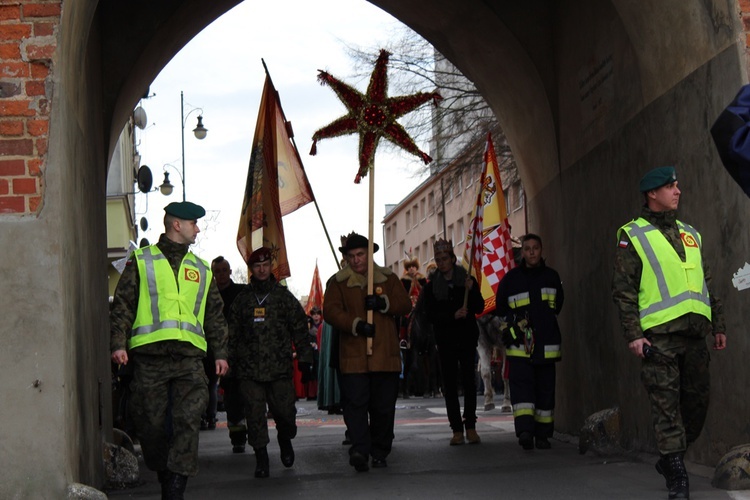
{"x": 373, "y": 115}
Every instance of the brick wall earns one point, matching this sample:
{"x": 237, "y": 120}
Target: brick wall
{"x": 27, "y": 48}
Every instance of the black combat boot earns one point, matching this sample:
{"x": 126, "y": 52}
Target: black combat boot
{"x": 176, "y": 487}
{"x": 677, "y": 477}
{"x": 164, "y": 477}
{"x": 661, "y": 468}
{"x": 261, "y": 462}
{"x": 287, "y": 452}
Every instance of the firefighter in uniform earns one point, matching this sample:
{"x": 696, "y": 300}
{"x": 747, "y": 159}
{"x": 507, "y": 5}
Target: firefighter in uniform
{"x": 661, "y": 286}
{"x": 529, "y": 298}
{"x": 165, "y": 312}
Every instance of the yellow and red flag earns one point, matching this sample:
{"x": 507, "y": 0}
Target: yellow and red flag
{"x": 488, "y": 244}
{"x": 276, "y": 184}
{"x": 315, "y": 298}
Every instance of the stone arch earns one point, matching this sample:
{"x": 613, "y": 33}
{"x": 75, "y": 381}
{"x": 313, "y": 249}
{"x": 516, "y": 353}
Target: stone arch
{"x": 674, "y": 65}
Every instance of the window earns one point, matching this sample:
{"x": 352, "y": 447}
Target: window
{"x": 461, "y": 230}
{"x": 450, "y": 234}
{"x": 415, "y": 211}
{"x": 408, "y": 220}
{"x": 401, "y": 251}
{"x": 422, "y": 209}
{"x": 448, "y": 191}
{"x": 425, "y": 251}
{"x": 431, "y": 202}
{"x": 388, "y": 240}
{"x": 394, "y": 235}
{"x": 440, "y": 223}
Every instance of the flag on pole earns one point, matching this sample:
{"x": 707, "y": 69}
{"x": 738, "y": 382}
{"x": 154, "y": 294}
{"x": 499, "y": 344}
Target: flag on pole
{"x": 276, "y": 184}
{"x": 488, "y": 239}
{"x": 315, "y": 298}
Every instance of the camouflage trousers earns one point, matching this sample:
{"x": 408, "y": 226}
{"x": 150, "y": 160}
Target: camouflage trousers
{"x": 280, "y": 397}
{"x": 168, "y": 397}
{"x": 678, "y": 381}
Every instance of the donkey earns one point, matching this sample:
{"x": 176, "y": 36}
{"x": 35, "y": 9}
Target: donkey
{"x": 489, "y": 338}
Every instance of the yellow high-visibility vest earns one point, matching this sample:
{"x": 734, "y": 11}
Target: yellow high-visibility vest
{"x": 169, "y": 308}
{"x": 669, "y": 287}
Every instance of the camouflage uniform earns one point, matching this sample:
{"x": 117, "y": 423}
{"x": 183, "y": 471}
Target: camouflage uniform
{"x": 264, "y": 321}
{"x": 168, "y": 376}
{"x": 677, "y": 380}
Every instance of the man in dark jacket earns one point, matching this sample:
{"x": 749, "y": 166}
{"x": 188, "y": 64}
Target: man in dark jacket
{"x": 451, "y": 301}
{"x": 166, "y": 344}
{"x": 232, "y": 399}
{"x": 529, "y": 298}
{"x": 264, "y": 322}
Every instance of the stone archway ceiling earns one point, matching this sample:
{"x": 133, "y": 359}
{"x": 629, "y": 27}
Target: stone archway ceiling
{"x": 138, "y": 38}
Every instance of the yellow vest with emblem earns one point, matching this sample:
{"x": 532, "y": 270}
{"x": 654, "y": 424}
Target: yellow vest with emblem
{"x": 669, "y": 288}
{"x": 169, "y": 308}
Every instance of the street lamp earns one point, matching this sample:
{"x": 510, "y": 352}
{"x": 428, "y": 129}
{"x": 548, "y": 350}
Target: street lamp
{"x": 167, "y": 187}
{"x": 200, "y": 133}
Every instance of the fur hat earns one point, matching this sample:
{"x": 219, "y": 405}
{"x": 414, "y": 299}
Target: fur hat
{"x": 354, "y": 240}
{"x": 410, "y": 261}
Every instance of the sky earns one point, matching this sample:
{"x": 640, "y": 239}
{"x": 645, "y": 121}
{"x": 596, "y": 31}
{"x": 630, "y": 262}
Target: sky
{"x": 221, "y": 73}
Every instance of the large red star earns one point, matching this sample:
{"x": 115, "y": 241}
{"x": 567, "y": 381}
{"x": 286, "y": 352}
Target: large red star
{"x": 373, "y": 115}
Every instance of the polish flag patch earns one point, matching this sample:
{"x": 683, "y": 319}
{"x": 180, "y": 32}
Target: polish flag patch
{"x": 624, "y": 243}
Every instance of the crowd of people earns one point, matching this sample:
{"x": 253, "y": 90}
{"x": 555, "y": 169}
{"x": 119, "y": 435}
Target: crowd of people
{"x": 181, "y": 328}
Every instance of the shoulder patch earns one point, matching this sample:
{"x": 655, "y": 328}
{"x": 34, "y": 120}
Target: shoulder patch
{"x": 624, "y": 242}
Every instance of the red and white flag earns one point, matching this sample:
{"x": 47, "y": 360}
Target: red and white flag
{"x": 489, "y": 246}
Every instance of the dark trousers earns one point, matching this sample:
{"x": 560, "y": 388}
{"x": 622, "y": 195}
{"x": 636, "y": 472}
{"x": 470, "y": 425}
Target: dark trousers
{"x": 235, "y": 407}
{"x": 532, "y": 394}
{"x": 369, "y": 403}
{"x": 455, "y": 362}
{"x": 209, "y": 365}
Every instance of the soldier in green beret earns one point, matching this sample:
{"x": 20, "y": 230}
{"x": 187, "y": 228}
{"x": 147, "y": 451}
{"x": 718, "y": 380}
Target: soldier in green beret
{"x": 165, "y": 342}
{"x": 661, "y": 286}
{"x": 265, "y": 320}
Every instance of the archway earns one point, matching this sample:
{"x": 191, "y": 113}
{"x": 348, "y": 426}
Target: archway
{"x": 590, "y": 94}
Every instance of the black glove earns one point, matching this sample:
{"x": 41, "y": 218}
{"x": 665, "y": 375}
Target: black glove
{"x": 509, "y": 336}
{"x": 366, "y": 329}
{"x": 375, "y": 303}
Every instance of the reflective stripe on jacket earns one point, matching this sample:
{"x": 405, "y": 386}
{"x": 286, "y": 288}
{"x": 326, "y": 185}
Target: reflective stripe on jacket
{"x": 669, "y": 288}
{"x": 170, "y": 308}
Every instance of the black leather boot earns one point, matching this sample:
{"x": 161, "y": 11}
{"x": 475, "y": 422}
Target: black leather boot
{"x": 661, "y": 468}
{"x": 261, "y": 462}
{"x": 677, "y": 477}
{"x": 287, "y": 452}
{"x": 164, "y": 477}
{"x": 176, "y": 485}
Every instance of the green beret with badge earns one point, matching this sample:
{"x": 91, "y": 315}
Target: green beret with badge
{"x": 658, "y": 177}
{"x": 185, "y": 210}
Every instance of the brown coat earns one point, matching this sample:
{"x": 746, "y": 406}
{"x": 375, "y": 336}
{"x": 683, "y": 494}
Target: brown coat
{"x": 344, "y": 307}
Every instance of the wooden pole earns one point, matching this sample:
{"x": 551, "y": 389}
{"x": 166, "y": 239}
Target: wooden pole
{"x": 370, "y": 254}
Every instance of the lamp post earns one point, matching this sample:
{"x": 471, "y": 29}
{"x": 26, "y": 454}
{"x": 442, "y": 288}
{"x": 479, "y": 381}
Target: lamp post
{"x": 200, "y": 133}
{"x": 167, "y": 187}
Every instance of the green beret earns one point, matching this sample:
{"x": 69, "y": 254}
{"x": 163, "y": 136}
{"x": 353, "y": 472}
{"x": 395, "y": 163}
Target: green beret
{"x": 185, "y": 210}
{"x": 657, "y": 178}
